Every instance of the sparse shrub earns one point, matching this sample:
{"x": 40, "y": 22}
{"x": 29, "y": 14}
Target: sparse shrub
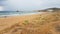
{"x": 26, "y": 22}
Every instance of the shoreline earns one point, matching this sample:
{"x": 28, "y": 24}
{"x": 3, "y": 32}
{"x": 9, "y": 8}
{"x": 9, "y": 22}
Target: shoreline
{"x": 4, "y": 16}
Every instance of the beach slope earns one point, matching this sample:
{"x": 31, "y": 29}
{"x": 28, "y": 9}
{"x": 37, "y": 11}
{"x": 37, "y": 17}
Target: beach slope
{"x": 45, "y": 23}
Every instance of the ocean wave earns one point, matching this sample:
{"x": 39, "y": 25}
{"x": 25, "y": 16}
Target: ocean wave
{"x": 19, "y": 14}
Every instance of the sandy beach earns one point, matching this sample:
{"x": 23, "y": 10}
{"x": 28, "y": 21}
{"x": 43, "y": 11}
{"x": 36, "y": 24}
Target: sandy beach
{"x": 30, "y": 24}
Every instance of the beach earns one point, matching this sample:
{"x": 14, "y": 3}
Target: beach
{"x": 29, "y": 24}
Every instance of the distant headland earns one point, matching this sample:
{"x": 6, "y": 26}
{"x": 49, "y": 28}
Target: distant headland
{"x": 48, "y": 10}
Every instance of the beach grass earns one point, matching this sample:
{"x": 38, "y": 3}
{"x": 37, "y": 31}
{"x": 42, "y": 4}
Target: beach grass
{"x": 31, "y": 24}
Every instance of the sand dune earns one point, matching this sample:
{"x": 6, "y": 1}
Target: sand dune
{"x": 45, "y": 23}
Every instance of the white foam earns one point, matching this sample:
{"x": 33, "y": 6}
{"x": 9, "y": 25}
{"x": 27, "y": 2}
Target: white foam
{"x": 20, "y": 14}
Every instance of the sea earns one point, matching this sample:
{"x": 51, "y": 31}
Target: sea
{"x": 16, "y": 13}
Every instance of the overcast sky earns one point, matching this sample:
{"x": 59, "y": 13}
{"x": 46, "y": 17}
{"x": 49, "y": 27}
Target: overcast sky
{"x": 13, "y": 5}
